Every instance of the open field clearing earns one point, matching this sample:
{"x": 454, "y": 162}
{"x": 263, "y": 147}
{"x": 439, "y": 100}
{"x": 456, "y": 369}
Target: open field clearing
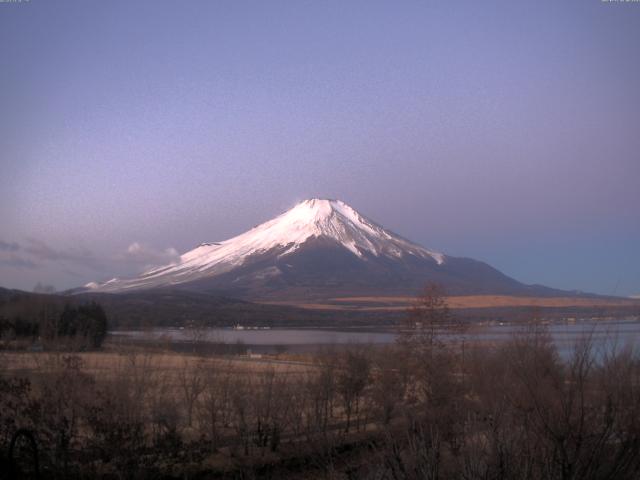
{"x": 431, "y": 394}
{"x": 399, "y": 303}
{"x": 359, "y": 412}
{"x": 110, "y": 364}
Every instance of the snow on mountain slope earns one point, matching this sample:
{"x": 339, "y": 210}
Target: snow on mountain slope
{"x": 310, "y": 219}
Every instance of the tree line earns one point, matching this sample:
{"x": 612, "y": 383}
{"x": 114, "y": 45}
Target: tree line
{"x": 81, "y": 326}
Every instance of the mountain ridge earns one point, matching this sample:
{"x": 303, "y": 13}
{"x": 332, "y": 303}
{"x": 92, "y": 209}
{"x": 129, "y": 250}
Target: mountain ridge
{"x": 320, "y": 247}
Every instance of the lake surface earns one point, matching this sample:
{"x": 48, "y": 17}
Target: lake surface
{"x": 604, "y": 332}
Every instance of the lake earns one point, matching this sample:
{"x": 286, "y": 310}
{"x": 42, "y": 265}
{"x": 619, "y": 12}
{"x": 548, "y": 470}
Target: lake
{"x": 619, "y": 332}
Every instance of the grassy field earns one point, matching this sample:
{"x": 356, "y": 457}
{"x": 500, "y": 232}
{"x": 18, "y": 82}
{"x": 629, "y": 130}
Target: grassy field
{"x": 112, "y": 363}
{"x": 399, "y": 303}
{"x": 361, "y": 412}
{"x": 170, "y": 413}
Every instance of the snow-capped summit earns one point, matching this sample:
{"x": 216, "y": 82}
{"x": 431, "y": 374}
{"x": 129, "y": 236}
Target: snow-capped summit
{"x": 319, "y": 243}
{"x": 330, "y": 220}
{"x": 312, "y": 218}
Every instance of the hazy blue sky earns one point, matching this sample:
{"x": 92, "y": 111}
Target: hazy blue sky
{"x": 503, "y": 131}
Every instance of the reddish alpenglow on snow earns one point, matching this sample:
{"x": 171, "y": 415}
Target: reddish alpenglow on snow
{"x": 324, "y": 246}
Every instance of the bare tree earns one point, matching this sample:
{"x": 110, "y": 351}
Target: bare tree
{"x": 191, "y": 381}
{"x": 241, "y": 401}
{"x": 197, "y": 334}
{"x": 320, "y": 388}
{"x": 428, "y": 319}
{"x": 390, "y": 378}
{"x": 353, "y": 377}
{"x": 215, "y": 402}
{"x": 269, "y": 410}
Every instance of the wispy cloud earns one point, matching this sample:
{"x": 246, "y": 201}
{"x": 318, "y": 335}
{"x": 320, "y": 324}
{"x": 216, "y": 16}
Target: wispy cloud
{"x": 39, "y": 250}
{"x": 9, "y": 246}
{"x": 35, "y": 253}
{"x": 11, "y": 256}
{"x": 16, "y": 261}
{"x": 43, "y": 288}
{"x": 145, "y": 256}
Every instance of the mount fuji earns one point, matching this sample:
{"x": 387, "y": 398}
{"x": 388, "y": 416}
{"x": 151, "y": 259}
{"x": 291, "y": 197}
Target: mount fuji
{"x": 318, "y": 249}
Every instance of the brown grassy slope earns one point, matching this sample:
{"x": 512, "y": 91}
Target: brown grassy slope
{"x": 390, "y": 303}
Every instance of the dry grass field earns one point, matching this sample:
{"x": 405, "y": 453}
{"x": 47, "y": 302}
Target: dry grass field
{"x": 112, "y": 364}
{"x": 399, "y": 303}
{"x": 361, "y": 412}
